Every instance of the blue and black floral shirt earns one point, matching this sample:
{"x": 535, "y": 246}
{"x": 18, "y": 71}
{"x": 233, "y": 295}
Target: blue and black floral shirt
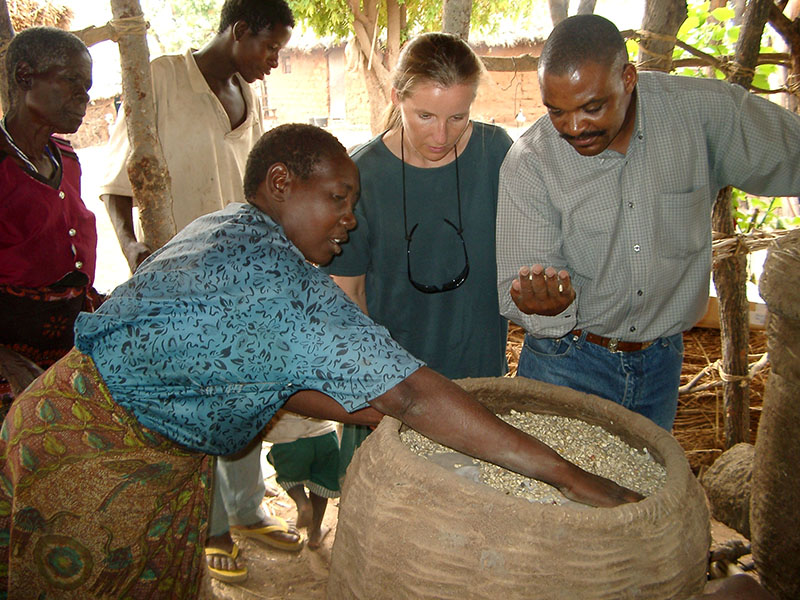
{"x": 217, "y": 329}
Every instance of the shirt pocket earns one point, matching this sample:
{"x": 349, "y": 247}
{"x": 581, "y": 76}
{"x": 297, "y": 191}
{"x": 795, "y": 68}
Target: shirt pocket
{"x": 684, "y": 223}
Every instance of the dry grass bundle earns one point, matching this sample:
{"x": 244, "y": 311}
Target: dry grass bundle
{"x": 33, "y": 13}
{"x": 699, "y": 424}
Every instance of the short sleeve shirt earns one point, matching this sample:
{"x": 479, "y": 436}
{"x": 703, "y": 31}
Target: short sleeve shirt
{"x": 217, "y": 329}
{"x": 206, "y": 157}
{"x": 460, "y": 332}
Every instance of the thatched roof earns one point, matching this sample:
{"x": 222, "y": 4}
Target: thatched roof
{"x": 32, "y": 13}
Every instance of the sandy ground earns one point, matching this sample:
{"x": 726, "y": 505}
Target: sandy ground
{"x": 276, "y": 574}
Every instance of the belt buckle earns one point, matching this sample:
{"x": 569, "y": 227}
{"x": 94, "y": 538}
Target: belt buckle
{"x": 612, "y": 344}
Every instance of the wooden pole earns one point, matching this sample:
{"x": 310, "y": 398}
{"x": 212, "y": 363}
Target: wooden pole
{"x": 456, "y": 17}
{"x": 662, "y": 19}
{"x": 6, "y": 33}
{"x": 730, "y": 274}
{"x": 147, "y": 169}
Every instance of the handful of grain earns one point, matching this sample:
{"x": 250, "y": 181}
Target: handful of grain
{"x": 589, "y": 446}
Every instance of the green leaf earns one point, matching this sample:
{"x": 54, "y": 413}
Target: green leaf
{"x": 688, "y": 25}
{"x": 723, "y": 13}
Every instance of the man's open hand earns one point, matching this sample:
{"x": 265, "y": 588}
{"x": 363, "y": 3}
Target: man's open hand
{"x": 540, "y": 291}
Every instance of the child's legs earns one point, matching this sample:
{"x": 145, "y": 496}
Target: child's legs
{"x": 323, "y": 483}
{"x": 292, "y": 462}
{"x": 305, "y": 507}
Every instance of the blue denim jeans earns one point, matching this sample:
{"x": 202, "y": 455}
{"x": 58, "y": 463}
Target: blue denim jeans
{"x": 645, "y": 382}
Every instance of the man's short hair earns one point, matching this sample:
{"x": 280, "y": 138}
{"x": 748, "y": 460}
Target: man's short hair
{"x": 579, "y": 40}
{"x": 42, "y": 48}
{"x": 258, "y": 14}
{"x": 300, "y": 147}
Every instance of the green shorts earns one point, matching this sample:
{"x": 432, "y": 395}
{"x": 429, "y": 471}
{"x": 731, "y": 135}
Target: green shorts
{"x": 313, "y": 462}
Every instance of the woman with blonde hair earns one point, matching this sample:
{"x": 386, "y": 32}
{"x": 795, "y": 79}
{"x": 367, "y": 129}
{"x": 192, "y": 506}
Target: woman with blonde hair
{"x": 422, "y": 260}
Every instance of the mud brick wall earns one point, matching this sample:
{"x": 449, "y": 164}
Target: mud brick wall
{"x": 301, "y": 93}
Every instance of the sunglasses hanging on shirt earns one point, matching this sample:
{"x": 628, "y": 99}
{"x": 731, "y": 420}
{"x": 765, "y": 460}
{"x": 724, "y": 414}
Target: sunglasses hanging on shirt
{"x": 456, "y": 281}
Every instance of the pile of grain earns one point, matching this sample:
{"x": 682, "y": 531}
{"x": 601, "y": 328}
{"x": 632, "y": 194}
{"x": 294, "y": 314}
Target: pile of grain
{"x": 589, "y": 446}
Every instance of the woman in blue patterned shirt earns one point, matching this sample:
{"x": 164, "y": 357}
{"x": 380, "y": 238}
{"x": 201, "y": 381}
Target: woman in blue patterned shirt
{"x": 106, "y": 457}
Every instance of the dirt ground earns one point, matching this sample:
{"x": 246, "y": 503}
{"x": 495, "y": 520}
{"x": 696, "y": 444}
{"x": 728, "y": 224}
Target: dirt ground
{"x": 275, "y": 574}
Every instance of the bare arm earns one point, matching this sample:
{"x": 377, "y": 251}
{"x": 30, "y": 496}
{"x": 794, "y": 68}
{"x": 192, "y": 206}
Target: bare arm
{"x": 355, "y": 288}
{"x": 442, "y": 411}
{"x": 120, "y": 211}
{"x": 310, "y": 403}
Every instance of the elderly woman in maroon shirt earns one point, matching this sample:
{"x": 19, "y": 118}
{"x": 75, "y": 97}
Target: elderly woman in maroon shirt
{"x": 48, "y": 240}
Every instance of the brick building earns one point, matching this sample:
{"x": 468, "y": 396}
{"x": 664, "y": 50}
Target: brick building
{"x": 319, "y": 83}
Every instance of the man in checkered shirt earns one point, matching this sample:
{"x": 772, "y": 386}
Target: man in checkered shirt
{"x": 604, "y": 213}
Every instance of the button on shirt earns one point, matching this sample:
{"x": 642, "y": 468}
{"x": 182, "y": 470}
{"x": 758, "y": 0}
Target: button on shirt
{"x": 217, "y": 329}
{"x": 634, "y": 230}
{"x": 46, "y": 232}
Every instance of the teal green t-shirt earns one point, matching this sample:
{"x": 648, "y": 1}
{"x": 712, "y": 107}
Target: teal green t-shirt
{"x": 460, "y": 332}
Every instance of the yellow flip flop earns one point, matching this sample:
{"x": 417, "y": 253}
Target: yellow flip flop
{"x": 262, "y": 534}
{"x": 226, "y": 575}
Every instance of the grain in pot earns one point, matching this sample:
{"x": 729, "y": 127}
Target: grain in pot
{"x": 589, "y": 446}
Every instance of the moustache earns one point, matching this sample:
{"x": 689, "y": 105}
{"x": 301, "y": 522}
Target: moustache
{"x": 584, "y": 136}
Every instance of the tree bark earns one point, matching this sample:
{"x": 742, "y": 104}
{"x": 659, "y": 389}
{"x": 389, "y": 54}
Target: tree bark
{"x": 377, "y": 77}
{"x": 558, "y": 10}
{"x": 395, "y": 23}
{"x": 456, "y": 16}
{"x": 662, "y": 19}
{"x": 789, "y": 29}
{"x": 147, "y": 169}
{"x": 6, "y": 33}
{"x": 730, "y": 274}
{"x": 775, "y": 491}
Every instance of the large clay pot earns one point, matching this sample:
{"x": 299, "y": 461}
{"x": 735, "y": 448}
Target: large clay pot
{"x": 408, "y": 528}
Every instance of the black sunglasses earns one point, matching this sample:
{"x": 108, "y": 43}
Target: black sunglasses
{"x": 448, "y": 285}
{"x": 461, "y": 277}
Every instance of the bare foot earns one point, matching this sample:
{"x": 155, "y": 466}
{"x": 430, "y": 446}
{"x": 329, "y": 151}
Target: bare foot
{"x": 304, "y": 515}
{"x": 315, "y": 537}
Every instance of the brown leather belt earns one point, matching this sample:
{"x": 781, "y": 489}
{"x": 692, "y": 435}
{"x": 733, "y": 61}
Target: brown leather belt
{"x": 613, "y": 344}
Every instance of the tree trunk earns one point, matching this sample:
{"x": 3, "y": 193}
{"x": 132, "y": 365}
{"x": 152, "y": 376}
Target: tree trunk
{"x": 456, "y": 15}
{"x": 775, "y": 491}
{"x": 395, "y": 24}
{"x": 662, "y": 19}
{"x": 558, "y": 10}
{"x": 6, "y": 33}
{"x": 730, "y": 274}
{"x": 376, "y": 75}
{"x": 147, "y": 169}
{"x": 586, "y": 7}
{"x": 788, "y": 27}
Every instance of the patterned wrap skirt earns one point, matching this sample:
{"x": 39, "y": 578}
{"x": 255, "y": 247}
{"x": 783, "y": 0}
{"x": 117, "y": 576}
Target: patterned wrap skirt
{"x": 92, "y": 504}
{"x": 38, "y": 324}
